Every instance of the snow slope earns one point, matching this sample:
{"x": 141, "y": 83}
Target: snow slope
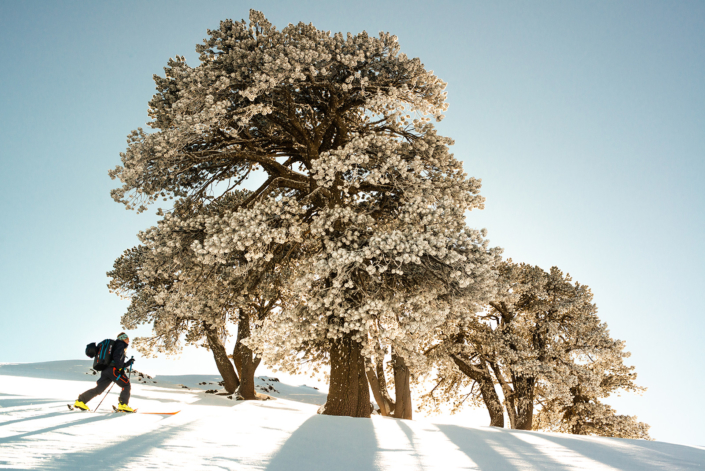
{"x": 37, "y": 431}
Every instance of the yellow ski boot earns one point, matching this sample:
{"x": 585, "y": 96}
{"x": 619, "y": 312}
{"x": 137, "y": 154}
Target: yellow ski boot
{"x": 79, "y": 405}
{"x": 125, "y": 408}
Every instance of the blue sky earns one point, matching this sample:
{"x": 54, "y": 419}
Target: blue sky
{"x": 585, "y": 121}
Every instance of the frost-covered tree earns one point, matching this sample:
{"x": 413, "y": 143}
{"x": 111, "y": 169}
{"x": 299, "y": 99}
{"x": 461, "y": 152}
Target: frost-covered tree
{"x": 540, "y": 340}
{"x": 585, "y": 414}
{"x": 182, "y": 298}
{"x": 590, "y": 416}
{"x": 361, "y": 196}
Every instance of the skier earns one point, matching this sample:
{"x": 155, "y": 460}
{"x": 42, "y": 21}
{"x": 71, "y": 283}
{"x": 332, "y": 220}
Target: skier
{"x": 114, "y": 372}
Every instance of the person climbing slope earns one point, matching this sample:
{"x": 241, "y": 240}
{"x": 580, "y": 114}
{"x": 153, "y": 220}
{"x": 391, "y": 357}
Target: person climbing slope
{"x": 115, "y": 371}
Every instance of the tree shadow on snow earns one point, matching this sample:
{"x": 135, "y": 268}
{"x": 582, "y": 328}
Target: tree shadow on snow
{"x": 495, "y": 451}
{"x": 324, "y": 442}
{"x": 119, "y": 454}
{"x": 23, "y": 401}
{"x": 20, "y": 436}
{"x": 632, "y": 454}
{"x": 412, "y": 439}
{"x": 34, "y": 417}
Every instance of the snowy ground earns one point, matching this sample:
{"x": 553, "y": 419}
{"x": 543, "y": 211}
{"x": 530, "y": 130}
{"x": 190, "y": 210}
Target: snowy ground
{"x": 37, "y": 431}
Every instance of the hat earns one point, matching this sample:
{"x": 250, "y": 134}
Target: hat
{"x": 123, "y": 336}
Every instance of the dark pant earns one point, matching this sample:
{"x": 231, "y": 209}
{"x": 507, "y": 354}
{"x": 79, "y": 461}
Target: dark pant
{"x": 107, "y": 376}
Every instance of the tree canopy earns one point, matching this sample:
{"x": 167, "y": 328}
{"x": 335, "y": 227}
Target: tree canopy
{"x": 362, "y": 200}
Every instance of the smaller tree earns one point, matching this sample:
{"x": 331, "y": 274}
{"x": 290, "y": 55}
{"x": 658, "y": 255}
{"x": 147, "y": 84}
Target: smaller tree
{"x": 541, "y": 341}
{"x": 186, "y": 300}
{"x": 585, "y": 414}
{"x": 543, "y": 324}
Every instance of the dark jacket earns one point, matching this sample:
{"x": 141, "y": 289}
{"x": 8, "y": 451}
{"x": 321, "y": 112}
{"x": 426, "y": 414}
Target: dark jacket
{"x": 119, "y": 354}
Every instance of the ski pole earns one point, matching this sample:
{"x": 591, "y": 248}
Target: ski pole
{"x": 106, "y": 395}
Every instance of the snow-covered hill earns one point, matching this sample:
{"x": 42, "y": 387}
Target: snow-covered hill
{"x": 37, "y": 431}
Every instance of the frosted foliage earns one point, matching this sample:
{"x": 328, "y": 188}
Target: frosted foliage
{"x": 251, "y": 80}
{"x": 361, "y": 218}
{"x": 171, "y": 289}
{"x": 591, "y": 417}
{"x": 540, "y": 329}
{"x": 386, "y": 279}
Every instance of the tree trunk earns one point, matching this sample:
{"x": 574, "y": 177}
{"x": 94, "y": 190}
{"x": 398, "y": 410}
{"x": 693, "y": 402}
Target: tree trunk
{"x": 244, "y": 360}
{"x": 349, "y": 392}
{"x": 237, "y": 356}
{"x": 509, "y": 396}
{"x": 384, "y": 408}
{"x": 524, "y": 388}
{"x": 230, "y": 379}
{"x": 402, "y": 409}
{"x": 481, "y": 374}
{"x": 381, "y": 377}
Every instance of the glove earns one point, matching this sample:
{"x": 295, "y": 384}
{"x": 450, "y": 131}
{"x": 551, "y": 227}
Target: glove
{"x": 129, "y": 362}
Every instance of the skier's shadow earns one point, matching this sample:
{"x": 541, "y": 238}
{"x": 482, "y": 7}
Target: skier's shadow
{"x": 322, "y": 442}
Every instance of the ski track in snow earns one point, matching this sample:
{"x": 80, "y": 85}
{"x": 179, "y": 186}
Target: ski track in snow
{"x": 37, "y": 431}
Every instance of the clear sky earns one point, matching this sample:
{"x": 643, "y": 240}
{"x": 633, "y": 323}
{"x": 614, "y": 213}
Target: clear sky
{"x": 585, "y": 121}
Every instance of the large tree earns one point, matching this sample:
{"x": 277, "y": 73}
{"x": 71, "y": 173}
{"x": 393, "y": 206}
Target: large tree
{"x": 361, "y": 198}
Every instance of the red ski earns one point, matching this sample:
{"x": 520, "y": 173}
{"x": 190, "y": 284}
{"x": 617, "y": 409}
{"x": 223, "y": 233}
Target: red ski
{"x": 115, "y": 409}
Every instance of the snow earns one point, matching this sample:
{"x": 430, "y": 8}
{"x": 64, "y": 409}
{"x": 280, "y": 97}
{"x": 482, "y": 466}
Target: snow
{"x": 37, "y": 431}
